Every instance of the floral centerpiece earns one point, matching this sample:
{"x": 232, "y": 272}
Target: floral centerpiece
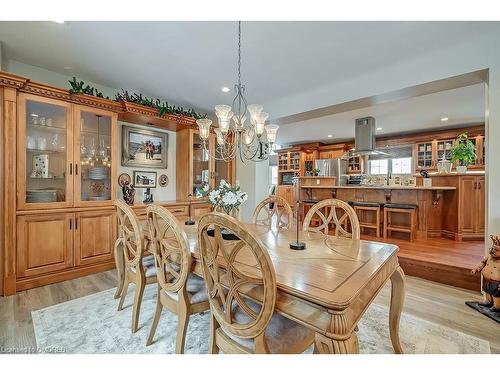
{"x": 227, "y": 198}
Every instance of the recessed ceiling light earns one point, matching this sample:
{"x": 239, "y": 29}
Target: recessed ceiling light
{"x": 379, "y": 128}
{"x": 444, "y": 119}
{"x": 330, "y": 135}
{"x": 67, "y": 67}
{"x": 59, "y": 21}
{"x": 225, "y": 89}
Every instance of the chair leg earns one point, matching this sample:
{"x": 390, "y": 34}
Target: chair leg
{"x": 181, "y": 330}
{"x": 212, "y": 347}
{"x": 120, "y": 267}
{"x": 156, "y": 319}
{"x": 124, "y": 293}
{"x": 139, "y": 291}
{"x": 378, "y": 222}
{"x": 385, "y": 223}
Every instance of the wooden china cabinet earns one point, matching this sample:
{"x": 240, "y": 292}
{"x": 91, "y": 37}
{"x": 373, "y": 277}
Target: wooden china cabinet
{"x": 66, "y": 188}
{"x": 196, "y": 169}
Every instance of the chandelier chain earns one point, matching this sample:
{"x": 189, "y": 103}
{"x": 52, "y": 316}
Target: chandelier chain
{"x": 239, "y": 53}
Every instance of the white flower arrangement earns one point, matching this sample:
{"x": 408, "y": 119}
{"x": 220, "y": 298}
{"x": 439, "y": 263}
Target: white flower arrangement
{"x": 226, "y": 197}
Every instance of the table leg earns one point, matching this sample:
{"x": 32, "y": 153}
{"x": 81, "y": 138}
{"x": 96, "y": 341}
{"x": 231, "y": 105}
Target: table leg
{"x": 397, "y": 300}
{"x": 327, "y": 345}
{"x": 120, "y": 267}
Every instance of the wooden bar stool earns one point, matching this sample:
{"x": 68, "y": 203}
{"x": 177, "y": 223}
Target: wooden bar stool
{"x": 362, "y": 207}
{"x": 401, "y": 208}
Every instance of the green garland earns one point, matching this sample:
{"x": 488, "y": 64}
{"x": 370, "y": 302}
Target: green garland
{"x": 79, "y": 87}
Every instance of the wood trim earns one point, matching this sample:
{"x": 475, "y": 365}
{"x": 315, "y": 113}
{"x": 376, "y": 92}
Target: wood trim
{"x": 129, "y": 112}
{"x": 72, "y": 273}
{"x": 2, "y": 182}
{"x": 9, "y": 144}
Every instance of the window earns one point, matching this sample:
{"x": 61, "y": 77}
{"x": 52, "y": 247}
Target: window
{"x": 401, "y": 166}
{"x": 378, "y": 166}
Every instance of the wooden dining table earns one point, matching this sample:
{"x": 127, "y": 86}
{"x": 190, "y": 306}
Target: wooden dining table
{"x": 328, "y": 286}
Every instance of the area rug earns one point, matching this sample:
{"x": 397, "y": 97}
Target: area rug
{"x": 92, "y": 324}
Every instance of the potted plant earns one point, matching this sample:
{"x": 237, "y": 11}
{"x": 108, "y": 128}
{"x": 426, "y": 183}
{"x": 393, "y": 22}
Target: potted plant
{"x": 463, "y": 152}
{"x": 316, "y": 171}
{"x": 227, "y": 199}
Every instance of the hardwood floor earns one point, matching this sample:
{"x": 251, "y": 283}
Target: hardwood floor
{"x": 431, "y": 301}
{"x": 439, "y": 259}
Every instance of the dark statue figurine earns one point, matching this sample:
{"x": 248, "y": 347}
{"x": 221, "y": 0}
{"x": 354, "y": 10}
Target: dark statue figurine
{"x": 148, "y": 196}
{"x": 128, "y": 193}
{"x": 490, "y": 270}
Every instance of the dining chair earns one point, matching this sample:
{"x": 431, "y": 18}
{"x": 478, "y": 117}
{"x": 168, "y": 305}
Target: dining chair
{"x": 179, "y": 291}
{"x": 241, "y": 285}
{"x": 137, "y": 269}
{"x": 328, "y": 212}
{"x": 273, "y": 211}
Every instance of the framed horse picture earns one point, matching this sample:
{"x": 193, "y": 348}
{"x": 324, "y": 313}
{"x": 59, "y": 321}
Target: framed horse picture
{"x": 144, "y": 148}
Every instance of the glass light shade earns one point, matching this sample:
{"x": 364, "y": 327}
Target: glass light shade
{"x": 238, "y": 125}
{"x": 224, "y": 120}
{"x": 204, "y": 127}
{"x": 220, "y": 137}
{"x": 260, "y": 120}
{"x": 271, "y": 132}
{"x": 222, "y": 110}
{"x": 254, "y": 110}
{"x": 248, "y": 136}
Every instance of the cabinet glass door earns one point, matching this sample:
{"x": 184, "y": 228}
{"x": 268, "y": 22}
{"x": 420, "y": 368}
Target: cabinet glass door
{"x": 201, "y": 167}
{"x": 45, "y": 153}
{"x": 93, "y": 156}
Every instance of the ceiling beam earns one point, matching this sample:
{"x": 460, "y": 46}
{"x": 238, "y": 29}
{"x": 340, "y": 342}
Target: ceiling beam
{"x": 462, "y": 80}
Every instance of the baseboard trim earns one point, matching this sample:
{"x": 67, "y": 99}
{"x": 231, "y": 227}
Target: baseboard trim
{"x": 73, "y": 273}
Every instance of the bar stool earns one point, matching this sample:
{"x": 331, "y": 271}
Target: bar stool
{"x": 401, "y": 208}
{"x": 369, "y": 207}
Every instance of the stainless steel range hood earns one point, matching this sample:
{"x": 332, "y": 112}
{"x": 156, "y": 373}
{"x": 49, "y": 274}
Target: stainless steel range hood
{"x": 364, "y": 133}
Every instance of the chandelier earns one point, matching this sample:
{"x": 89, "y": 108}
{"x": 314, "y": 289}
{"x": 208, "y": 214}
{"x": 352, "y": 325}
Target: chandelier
{"x": 252, "y": 141}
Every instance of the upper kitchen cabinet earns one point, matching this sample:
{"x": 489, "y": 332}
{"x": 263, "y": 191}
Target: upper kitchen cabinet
{"x": 45, "y": 153}
{"x": 94, "y": 165}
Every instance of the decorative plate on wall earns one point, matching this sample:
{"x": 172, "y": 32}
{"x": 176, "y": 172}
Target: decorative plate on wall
{"x": 163, "y": 180}
{"x": 124, "y": 179}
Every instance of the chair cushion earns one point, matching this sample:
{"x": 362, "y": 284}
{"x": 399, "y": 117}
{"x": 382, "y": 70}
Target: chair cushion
{"x": 149, "y": 266}
{"x": 367, "y": 204}
{"x": 196, "y": 289}
{"x": 281, "y": 333}
{"x": 406, "y": 206}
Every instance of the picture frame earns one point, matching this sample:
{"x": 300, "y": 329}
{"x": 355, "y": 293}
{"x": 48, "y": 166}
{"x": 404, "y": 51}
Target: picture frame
{"x": 144, "y": 179}
{"x": 144, "y": 148}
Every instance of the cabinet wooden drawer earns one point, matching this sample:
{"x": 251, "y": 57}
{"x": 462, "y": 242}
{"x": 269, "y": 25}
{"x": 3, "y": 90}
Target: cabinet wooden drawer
{"x": 200, "y": 209}
{"x": 178, "y": 210}
{"x": 44, "y": 243}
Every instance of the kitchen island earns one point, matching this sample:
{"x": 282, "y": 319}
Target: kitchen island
{"x": 430, "y": 201}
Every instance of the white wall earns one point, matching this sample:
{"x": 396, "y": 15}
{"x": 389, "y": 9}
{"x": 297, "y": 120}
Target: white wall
{"x": 166, "y": 193}
{"x": 254, "y": 180}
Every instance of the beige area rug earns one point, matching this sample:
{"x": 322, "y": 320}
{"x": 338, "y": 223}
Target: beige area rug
{"x": 92, "y": 324}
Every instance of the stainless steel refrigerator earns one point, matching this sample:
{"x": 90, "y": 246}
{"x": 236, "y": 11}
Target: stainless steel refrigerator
{"x": 333, "y": 168}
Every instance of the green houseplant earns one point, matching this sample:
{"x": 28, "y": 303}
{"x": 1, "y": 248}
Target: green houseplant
{"x": 463, "y": 152}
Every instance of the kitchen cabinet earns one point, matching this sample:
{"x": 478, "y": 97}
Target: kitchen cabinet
{"x": 196, "y": 167}
{"x": 471, "y": 206}
{"x": 44, "y": 243}
{"x": 95, "y": 235}
{"x": 287, "y": 192}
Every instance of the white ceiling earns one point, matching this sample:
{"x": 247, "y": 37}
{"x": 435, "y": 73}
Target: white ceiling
{"x": 188, "y": 62}
{"x": 464, "y": 105}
